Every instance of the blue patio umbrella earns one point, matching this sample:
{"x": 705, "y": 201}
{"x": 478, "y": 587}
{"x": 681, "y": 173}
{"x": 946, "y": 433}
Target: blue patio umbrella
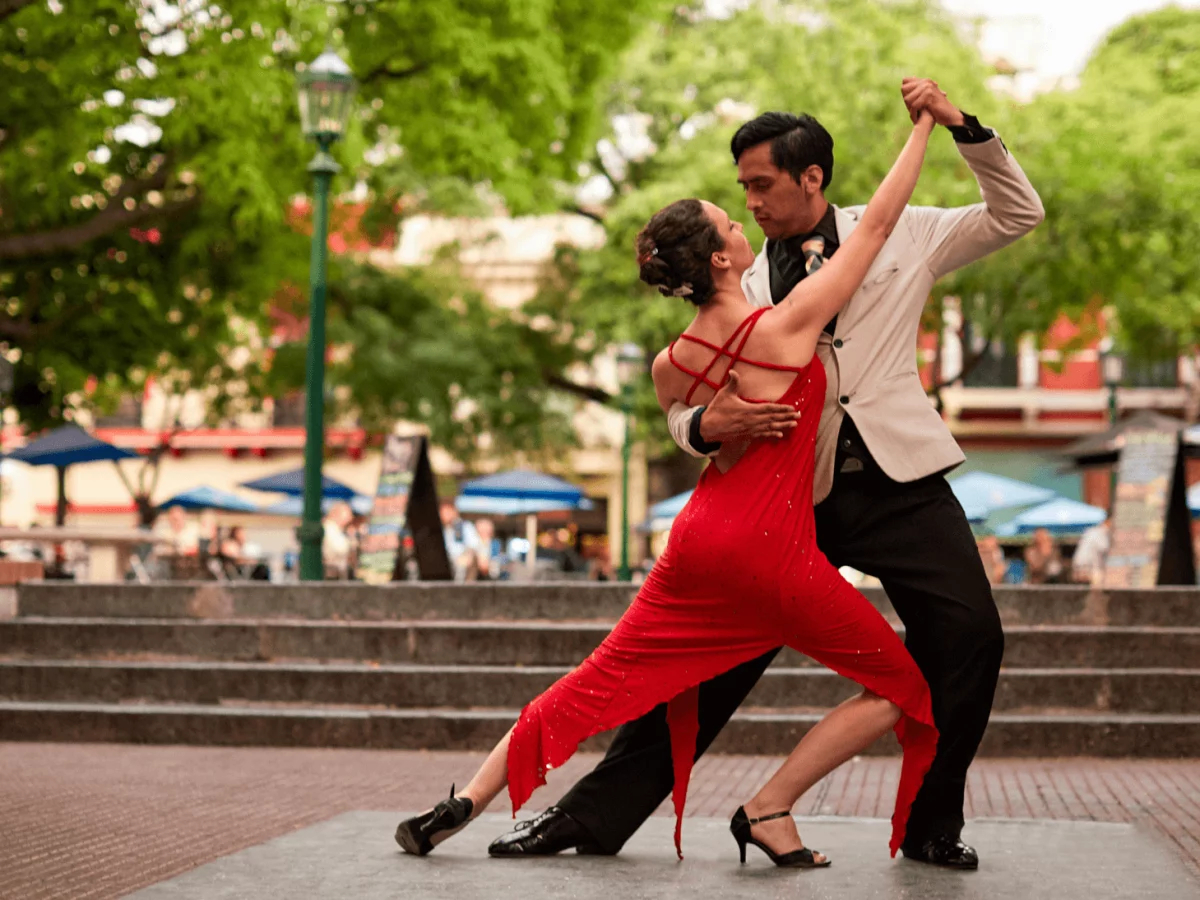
{"x": 205, "y": 497}
{"x": 500, "y": 506}
{"x": 523, "y": 484}
{"x": 294, "y": 506}
{"x": 292, "y": 483}
{"x": 661, "y": 514}
{"x": 982, "y": 493}
{"x": 1060, "y": 515}
{"x": 63, "y": 447}
{"x": 528, "y": 491}
{"x": 67, "y": 446}
{"x": 976, "y": 515}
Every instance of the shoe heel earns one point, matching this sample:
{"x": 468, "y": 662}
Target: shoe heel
{"x": 740, "y": 828}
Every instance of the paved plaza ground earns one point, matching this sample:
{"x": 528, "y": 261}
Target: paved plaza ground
{"x": 105, "y": 820}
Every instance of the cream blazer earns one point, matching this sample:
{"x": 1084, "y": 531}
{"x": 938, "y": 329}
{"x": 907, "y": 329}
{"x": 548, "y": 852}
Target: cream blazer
{"x": 871, "y": 360}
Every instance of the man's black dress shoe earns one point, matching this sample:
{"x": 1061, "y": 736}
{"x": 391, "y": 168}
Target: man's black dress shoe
{"x": 552, "y": 832}
{"x": 942, "y": 850}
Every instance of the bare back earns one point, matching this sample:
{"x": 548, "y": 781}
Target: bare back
{"x": 693, "y": 368}
{"x": 766, "y": 361}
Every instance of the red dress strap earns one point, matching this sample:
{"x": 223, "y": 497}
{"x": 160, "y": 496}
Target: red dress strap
{"x": 735, "y": 356}
{"x": 701, "y": 377}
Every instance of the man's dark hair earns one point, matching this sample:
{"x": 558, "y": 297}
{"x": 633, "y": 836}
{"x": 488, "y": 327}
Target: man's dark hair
{"x": 797, "y": 142}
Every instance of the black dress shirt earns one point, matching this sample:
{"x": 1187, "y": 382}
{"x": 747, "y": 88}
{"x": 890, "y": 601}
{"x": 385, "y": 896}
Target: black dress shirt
{"x": 785, "y": 262}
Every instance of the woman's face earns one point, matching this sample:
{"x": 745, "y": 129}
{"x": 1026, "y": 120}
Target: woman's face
{"x": 737, "y": 246}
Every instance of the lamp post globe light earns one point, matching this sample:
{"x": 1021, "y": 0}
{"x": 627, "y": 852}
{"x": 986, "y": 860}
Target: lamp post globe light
{"x": 1112, "y": 372}
{"x": 631, "y": 364}
{"x": 326, "y": 90}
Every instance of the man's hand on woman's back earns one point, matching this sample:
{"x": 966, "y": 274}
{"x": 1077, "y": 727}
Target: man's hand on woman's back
{"x": 730, "y": 418}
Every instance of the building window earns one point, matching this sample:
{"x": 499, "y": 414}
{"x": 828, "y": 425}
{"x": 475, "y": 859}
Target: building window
{"x": 289, "y": 411}
{"x": 1140, "y": 373}
{"x": 128, "y": 414}
{"x": 996, "y": 368}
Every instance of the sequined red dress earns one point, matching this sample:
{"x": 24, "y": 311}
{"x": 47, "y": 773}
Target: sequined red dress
{"x": 741, "y": 575}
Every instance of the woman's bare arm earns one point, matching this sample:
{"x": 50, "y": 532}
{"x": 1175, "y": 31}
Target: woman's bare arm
{"x": 818, "y": 298}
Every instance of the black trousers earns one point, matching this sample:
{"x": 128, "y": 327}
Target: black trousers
{"x": 915, "y": 538}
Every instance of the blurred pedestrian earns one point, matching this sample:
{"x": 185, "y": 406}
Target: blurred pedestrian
{"x": 179, "y": 532}
{"x": 992, "y": 555}
{"x": 232, "y": 545}
{"x": 460, "y": 536}
{"x": 1087, "y": 565}
{"x": 1043, "y": 560}
{"x": 489, "y": 550}
{"x": 336, "y": 546}
{"x": 209, "y": 535}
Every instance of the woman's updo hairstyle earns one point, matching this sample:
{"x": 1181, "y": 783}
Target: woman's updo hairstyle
{"x": 674, "y": 251}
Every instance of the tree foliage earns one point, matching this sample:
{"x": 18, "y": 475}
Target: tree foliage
{"x": 691, "y": 81}
{"x": 423, "y": 345}
{"x": 1116, "y": 162}
{"x": 148, "y": 151}
{"x": 134, "y": 251}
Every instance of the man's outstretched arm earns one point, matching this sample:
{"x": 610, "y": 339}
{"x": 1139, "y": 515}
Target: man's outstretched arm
{"x": 952, "y": 238}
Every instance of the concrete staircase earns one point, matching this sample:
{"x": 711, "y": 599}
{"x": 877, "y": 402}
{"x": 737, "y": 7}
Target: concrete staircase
{"x": 437, "y": 666}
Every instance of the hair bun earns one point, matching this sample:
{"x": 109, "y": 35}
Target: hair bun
{"x": 674, "y": 251}
{"x": 655, "y": 272}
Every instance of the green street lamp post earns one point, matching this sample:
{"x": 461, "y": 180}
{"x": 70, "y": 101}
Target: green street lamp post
{"x": 631, "y": 362}
{"x": 326, "y": 89}
{"x": 1112, "y": 372}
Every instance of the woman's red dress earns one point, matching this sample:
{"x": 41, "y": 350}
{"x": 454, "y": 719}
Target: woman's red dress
{"x": 741, "y": 575}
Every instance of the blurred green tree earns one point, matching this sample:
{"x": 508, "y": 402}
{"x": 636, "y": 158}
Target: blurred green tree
{"x": 687, "y": 84}
{"x": 1117, "y": 162}
{"x": 149, "y": 152}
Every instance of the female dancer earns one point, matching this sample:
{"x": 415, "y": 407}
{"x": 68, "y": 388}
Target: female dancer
{"x": 741, "y": 573}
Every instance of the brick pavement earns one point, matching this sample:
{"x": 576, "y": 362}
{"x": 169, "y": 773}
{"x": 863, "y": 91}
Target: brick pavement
{"x": 101, "y": 820}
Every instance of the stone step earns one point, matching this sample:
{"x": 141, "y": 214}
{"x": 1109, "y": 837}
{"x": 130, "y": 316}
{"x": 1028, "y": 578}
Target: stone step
{"x": 521, "y": 643}
{"x": 1019, "y": 605}
{"x": 468, "y": 687}
{"x": 1113, "y": 735}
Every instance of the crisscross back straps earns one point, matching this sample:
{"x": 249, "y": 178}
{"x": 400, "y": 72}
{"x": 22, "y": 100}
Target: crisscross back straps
{"x": 701, "y": 377}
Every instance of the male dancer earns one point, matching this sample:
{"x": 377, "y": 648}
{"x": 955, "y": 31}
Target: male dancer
{"x": 883, "y": 505}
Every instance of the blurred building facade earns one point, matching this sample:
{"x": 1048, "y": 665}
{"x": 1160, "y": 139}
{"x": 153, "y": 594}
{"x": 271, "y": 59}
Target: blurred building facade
{"x": 1011, "y": 407}
{"x": 502, "y": 255}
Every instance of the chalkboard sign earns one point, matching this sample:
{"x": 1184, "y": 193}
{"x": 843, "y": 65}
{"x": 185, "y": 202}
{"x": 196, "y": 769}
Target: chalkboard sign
{"x": 1151, "y": 543}
{"x": 406, "y": 498}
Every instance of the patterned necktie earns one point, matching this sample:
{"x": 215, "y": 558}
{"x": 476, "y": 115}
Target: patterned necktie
{"x": 813, "y": 249}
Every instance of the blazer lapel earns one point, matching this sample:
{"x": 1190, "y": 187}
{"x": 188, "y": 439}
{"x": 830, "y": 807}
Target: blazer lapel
{"x": 886, "y": 261}
{"x": 756, "y": 281}
{"x": 846, "y": 221}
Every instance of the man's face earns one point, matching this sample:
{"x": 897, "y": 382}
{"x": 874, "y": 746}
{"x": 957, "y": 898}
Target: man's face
{"x": 782, "y": 207}
{"x": 449, "y": 513}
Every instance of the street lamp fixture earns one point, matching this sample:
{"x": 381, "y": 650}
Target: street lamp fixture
{"x": 631, "y": 364}
{"x": 326, "y": 90}
{"x": 1112, "y": 373}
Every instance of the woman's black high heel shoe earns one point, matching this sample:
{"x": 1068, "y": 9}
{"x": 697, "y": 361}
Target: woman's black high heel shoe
{"x": 416, "y": 835}
{"x": 795, "y": 859}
